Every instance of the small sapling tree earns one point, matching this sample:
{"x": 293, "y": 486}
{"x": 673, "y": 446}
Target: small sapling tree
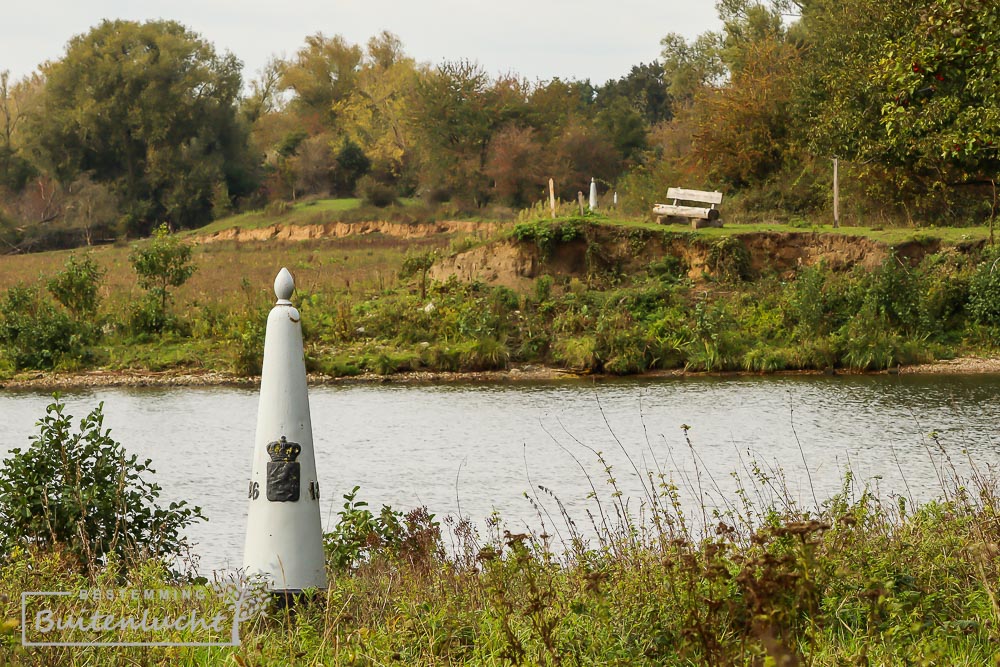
{"x": 163, "y": 263}
{"x": 76, "y": 286}
{"x": 419, "y": 263}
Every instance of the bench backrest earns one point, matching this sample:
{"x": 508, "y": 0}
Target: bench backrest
{"x": 694, "y": 195}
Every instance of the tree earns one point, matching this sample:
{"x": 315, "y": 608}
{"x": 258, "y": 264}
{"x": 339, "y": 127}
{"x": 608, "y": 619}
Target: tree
{"x": 456, "y": 110}
{"x": 944, "y": 116}
{"x": 582, "y": 153}
{"x": 76, "y": 287}
{"x": 151, "y": 111}
{"x": 15, "y": 169}
{"x": 81, "y": 490}
{"x": 687, "y": 68}
{"x": 313, "y": 166}
{"x": 643, "y": 89}
{"x": 375, "y": 116}
{"x": 322, "y": 74}
{"x": 264, "y": 97}
{"x": 352, "y": 164}
{"x": 515, "y": 164}
{"x": 838, "y": 101}
{"x": 90, "y": 207}
{"x": 743, "y": 128}
{"x": 419, "y": 263}
{"x": 626, "y": 128}
{"x": 553, "y": 104}
{"x": 162, "y": 263}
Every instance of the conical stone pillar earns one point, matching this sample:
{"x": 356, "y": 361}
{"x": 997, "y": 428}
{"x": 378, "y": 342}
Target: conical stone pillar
{"x": 284, "y": 540}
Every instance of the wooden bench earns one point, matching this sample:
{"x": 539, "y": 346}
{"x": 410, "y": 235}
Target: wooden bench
{"x": 700, "y": 216}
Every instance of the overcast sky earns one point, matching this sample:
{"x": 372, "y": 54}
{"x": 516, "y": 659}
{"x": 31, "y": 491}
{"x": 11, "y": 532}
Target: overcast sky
{"x": 536, "y": 39}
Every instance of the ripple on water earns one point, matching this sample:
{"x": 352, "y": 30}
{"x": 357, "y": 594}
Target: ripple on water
{"x": 478, "y": 444}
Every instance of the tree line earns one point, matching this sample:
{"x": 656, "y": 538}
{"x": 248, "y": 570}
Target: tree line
{"x": 143, "y": 124}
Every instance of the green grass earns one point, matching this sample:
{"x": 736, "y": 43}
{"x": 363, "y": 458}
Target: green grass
{"x": 309, "y": 212}
{"x": 854, "y": 579}
{"x": 301, "y": 213}
{"x": 890, "y": 236}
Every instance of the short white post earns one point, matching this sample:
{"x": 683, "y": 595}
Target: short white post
{"x": 284, "y": 541}
{"x": 552, "y": 197}
{"x": 593, "y": 195}
{"x": 836, "y": 192}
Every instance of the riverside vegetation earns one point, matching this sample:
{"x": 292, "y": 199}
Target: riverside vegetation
{"x": 763, "y": 579}
{"x": 368, "y": 306}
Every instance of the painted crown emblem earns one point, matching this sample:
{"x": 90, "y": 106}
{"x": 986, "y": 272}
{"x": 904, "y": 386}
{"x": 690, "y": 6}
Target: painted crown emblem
{"x": 283, "y": 450}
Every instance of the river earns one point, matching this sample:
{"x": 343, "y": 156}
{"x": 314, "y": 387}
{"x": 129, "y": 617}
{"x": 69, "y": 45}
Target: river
{"x": 476, "y": 446}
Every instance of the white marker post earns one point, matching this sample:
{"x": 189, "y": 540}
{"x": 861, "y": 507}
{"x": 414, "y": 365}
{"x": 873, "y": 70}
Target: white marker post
{"x": 593, "y": 195}
{"x": 552, "y": 198}
{"x": 284, "y": 540}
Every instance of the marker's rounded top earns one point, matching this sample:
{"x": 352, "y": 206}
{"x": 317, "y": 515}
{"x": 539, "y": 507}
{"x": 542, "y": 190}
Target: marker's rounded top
{"x": 284, "y": 285}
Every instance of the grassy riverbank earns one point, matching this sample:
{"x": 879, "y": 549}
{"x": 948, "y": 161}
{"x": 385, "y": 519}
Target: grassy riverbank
{"x": 858, "y": 579}
{"x": 606, "y": 296}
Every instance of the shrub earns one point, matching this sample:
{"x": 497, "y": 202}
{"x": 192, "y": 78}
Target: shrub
{"x": 543, "y": 288}
{"x": 81, "y": 490}
{"x": 547, "y": 235}
{"x": 362, "y": 536}
{"x": 147, "y": 316}
{"x": 984, "y": 292}
{"x": 669, "y": 268}
{"x": 277, "y": 208}
{"x": 375, "y": 193}
{"x": 729, "y": 260}
{"x": 249, "y": 341}
{"x": 579, "y": 354}
{"x": 35, "y": 333}
{"x": 484, "y": 354}
{"x": 76, "y": 286}
{"x": 163, "y": 263}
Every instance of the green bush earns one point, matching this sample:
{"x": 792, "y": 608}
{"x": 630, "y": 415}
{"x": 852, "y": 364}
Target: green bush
{"x": 361, "y": 536}
{"x": 669, "y": 268}
{"x": 375, "y": 193}
{"x": 35, "y": 334}
{"x": 160, "y": 264}
{"x": 547, "y": 234}
{"x": 249, "y": 343}
{"x": 577, "y": 353}
{"x": 728, "y": 259}
{"x": 984, "y": 292}
{"x": 485, "y": 354}
{"x": 147, "y": 316}
{"x": 76, "y": 286}
{"x": 543, "y": 288}
{"x": 80, "y": 490}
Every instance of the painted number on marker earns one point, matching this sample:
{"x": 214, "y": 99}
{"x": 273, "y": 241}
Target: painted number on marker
{"x": 254, "y": 491}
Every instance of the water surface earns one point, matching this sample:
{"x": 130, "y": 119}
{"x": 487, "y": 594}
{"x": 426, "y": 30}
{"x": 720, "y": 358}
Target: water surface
{"x": 478, "y": 445}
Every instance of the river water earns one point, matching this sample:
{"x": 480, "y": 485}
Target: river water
{"x": 480, "y": 447}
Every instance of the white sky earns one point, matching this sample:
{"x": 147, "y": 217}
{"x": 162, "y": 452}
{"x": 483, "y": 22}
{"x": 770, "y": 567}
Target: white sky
{"x": 538, "y": 40}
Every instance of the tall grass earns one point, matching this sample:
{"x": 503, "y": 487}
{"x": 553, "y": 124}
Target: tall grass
{"x": 755, "y": 577}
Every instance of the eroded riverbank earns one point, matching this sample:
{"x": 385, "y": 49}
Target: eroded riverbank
{"x": 517, "y": 373}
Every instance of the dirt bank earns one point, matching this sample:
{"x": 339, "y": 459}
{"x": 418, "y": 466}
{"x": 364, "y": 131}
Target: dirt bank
{"x": 624, "y": 251}
{"x": 517, "y": 373}
{"x": 280, "y": 232}
{"x": 962, "y": 366}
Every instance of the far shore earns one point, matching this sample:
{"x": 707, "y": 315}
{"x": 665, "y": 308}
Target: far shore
{"x": 516, "y": 373}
